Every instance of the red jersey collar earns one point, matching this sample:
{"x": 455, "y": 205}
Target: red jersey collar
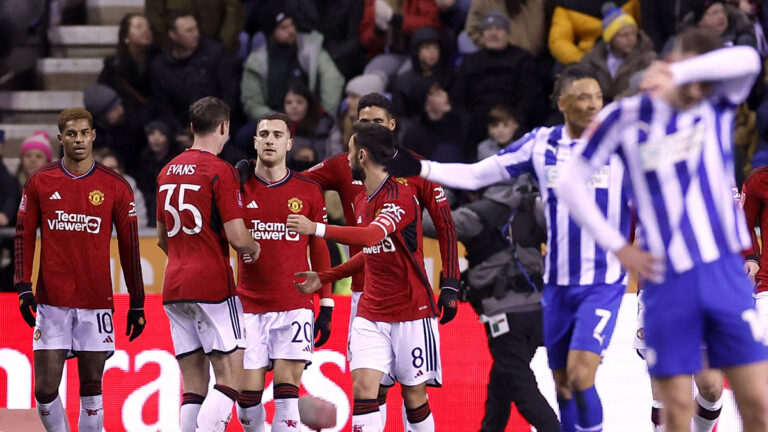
{"x": 75, "y": 176}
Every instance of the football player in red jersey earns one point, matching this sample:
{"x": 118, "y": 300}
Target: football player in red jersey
{"x": 199, "y": 210}
{"x": 754, "y": 198}
{"x": 278, "y": 318}
{"x": 75, "y": 203}
{"x": 334, "y": 174}
{"x": 395, "y": 329}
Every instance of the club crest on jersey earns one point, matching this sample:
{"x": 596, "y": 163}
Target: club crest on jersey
{"x": 402, "y": 180}
{"x": 295, "y": 205}
{"x": 96, "y": 197}
{"x": 38, "y": 334}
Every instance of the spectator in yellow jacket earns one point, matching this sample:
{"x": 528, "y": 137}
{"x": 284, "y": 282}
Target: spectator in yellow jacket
{"x": 577, "y": 24}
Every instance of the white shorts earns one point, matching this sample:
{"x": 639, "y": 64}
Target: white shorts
{"x": 73, "y": 329}
{"x": 639, "y": 342}
{"x": 287, "y": 335}
{"x": 212, "y": 327}
{"x": 407, "y": 352}
{"x": 353, "y": 302}
{"x": 761, "y": 304}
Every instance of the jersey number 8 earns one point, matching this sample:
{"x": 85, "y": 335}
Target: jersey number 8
{"x": 182, "y": 206}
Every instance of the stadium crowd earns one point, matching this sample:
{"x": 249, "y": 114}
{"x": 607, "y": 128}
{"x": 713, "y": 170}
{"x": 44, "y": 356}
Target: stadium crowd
{"x": 463, "y": 80}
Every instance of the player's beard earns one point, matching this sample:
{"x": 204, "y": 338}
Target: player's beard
{"x": 358, "y": 173}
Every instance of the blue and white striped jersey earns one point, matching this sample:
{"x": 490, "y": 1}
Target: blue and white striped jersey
{"x": 681, "y": 168}
{"x": 573, "y": 257}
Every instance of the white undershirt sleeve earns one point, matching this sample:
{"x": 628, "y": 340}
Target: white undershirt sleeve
{"x": 464, "y": 176}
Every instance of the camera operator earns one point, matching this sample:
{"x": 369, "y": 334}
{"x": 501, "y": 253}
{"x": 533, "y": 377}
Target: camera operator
{"x": 503, "y": 284}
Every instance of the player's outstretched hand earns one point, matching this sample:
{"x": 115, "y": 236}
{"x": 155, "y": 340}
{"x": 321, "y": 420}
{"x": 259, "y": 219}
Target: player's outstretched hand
{"x": 323, "y": 325}
{"x": 136, "y": 323}
{"x": 310, "y": 285}
{"x": 300, "y": 224}
{"x": 751, "y": 268}
{"x": 403, "y": 164}
{"x": 244, "y": 168}
{"x": 27, "y": 303}
{"x": 448, "y": 304}
{"x": 637, "y": 260}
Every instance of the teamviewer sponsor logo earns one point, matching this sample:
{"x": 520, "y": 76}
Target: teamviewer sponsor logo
{"x": 75, "y": 222}
{"x": 384, "y": 246}
{"x": 272, "y": 231}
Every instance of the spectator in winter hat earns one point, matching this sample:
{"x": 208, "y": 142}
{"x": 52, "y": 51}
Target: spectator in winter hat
{"x": 35, "y": 152}
{"x": 288, "y": 55}
{"x": 357, "y": 87}
{"x": 623, "y": 51}
{"x": 113, "y": 128}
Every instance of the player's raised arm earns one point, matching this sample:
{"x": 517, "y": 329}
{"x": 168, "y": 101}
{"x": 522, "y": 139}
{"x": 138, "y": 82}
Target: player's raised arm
{"x": 127, "y": 227}
{"x": 733, "y": 70}
{"x": 24, "y": 242}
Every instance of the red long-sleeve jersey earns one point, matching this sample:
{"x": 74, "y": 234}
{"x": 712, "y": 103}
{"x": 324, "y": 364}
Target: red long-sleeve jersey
{"x": 754, "y": 195}
{"x": 267, "y": 284}
{"x": 396, "y": 286}
{"x": 75, "y": 214}
{"x": 334, "y": 174}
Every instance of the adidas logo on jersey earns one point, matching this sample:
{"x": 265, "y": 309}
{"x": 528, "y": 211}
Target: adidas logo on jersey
{"x": 56, "y": 196}
{"x": 108, "y": 339}
{"x": 252, "y": 205}
{"x": 418, "y": 374}
{"x": 307, "y": 349}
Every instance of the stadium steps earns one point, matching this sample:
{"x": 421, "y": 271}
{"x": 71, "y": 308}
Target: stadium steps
{"x": 25, "y": 107}
{"x": 68, "y": 73}
{"x": 110, "y": 12}
{"x": 91, "y": 41}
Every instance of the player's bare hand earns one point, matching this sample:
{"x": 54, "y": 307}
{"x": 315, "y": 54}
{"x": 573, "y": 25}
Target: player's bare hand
{"x": 658, "y": 79}
{"x": 300, "y": 224}
{"x": 251, "y": 257}
{"x": 310, "y": 285}
{"x": 751, "y": 268}
{"x": 637, "y": 260}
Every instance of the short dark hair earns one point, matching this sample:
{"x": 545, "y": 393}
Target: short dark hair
{"x": 378, "y": 140}
{"x": 70, "y": 114}
{"x": 501, "y": 113}
{"x": 375, "y": 100}
{"x": 176, "y": 14}
{"x": 276, "y": 116}
{"x": 697, "y": 40}
{"x": 207, "y": 114}
{"x": 568, "y": 76}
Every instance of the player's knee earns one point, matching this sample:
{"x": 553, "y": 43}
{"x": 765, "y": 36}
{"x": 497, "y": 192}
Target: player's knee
{"x": 43, "y": 396}
{"x": 364, "y": 390}
{"x": 414, "y": 396}
{"x": 580, "y": 378}
{"x": 45, "y": 386}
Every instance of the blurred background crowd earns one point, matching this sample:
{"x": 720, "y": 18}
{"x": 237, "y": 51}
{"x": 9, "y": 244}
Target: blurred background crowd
{"x": 465, "y": 77}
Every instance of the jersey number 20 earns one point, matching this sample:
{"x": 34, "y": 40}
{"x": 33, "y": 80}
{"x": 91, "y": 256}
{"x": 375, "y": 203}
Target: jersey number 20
{"x": 180, "y": 207}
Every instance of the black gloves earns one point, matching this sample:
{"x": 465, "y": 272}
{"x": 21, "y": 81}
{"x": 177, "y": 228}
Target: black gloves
{"x": 27, "y": 303}
{"x": 449, "y": 299}
{"x": 403, "y": 164}
{"x": 244, "y": 168}
{"x": 136, "y": 323}
{"x": 323, "y": 325}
